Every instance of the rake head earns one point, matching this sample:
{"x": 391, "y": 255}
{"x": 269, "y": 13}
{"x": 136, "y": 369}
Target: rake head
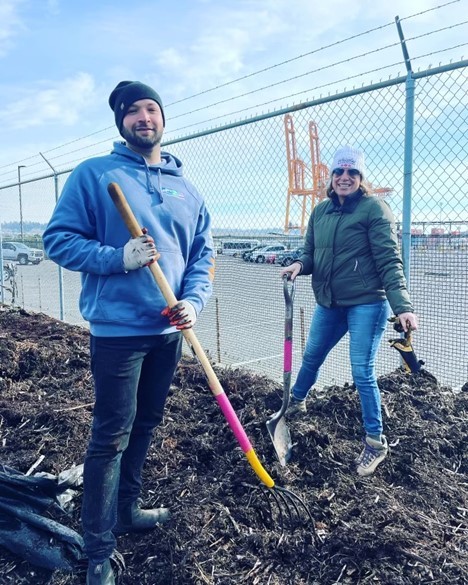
{"x": 288, "y": 511}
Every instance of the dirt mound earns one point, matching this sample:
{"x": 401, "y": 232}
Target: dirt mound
{"x": 406, "y": 525}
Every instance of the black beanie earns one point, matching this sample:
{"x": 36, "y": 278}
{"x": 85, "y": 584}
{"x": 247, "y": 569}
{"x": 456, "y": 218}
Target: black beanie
{"x": 128, "y": 92}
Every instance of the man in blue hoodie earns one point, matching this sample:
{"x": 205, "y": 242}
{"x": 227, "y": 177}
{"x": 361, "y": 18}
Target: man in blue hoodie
{"x": 135, "y": 339}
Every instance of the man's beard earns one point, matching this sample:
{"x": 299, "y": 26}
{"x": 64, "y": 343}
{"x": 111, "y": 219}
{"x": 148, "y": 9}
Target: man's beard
{"x": 142, "y": 142}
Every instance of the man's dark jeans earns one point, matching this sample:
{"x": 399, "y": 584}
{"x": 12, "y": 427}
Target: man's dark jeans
{"x": 132, "y": 376}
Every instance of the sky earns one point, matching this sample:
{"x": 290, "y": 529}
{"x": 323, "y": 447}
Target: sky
{"x": 60, "y": 59}
{"x": 212, "y": 61}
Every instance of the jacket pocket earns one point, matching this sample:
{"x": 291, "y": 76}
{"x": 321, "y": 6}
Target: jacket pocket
{"x": 358, "y": 270}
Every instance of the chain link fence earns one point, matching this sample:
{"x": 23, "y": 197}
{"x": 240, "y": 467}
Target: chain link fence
{"x": 242, "y": 170}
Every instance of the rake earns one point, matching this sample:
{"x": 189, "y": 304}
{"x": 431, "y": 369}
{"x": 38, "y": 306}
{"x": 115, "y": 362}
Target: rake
{"x": 280, "y": 495}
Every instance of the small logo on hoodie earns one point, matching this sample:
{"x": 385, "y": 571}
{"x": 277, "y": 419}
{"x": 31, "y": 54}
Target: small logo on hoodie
{"x": 172, "y": 193}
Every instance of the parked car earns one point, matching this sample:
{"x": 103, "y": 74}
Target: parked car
{"x": 265, "y": 254}
{"x": 287, "y": 257}
{"x": 237, "y": 247}
{"x": 19, "y": 252}
{"x": 246, "y": 255}
{"x": 9, "y": 270}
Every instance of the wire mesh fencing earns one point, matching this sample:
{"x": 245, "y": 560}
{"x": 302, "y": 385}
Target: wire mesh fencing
{"x": 261, "y": 178}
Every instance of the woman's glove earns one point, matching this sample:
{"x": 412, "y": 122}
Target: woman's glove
{"x": 139, "y": 252}
{"x": 182, "y": 316}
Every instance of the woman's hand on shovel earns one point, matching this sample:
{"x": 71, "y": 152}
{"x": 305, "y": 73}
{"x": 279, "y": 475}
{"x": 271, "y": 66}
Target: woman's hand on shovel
{"x": 292, "y": 270}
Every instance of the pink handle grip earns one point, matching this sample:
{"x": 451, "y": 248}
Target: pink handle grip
{"x": 234, "y": 422}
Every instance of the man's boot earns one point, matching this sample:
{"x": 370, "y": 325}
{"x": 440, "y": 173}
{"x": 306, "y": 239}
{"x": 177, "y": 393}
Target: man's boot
{"x": 100, "y": 574}
{"x": 132, "y": 518}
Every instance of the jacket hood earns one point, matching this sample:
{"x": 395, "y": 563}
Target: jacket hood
{"x": 169, "y": 164}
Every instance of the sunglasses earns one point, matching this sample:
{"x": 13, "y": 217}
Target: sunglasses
{"x": 351, "y": 172}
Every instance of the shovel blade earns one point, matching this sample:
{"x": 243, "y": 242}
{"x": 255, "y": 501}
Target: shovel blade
{"x": 281, "y": 439}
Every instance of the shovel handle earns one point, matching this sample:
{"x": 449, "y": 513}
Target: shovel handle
{"x": 215, "y": 386}
{"x": 289, "y": 289}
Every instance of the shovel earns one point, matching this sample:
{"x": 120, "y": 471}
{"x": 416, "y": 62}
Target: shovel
{"x": 404, "y": 346}
{"x": 277, "y": 427}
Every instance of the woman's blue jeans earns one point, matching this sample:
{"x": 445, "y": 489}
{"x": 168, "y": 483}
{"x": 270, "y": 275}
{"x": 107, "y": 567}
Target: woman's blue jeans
{"x": 366, "y": 325}
{"x": 132, "y": 376}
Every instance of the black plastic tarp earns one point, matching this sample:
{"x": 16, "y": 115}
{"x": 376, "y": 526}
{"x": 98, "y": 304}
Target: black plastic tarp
{"x": 27, "y": 529}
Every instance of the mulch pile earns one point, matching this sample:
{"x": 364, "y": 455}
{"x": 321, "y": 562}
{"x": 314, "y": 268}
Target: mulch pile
{"x": 406, "y": 525}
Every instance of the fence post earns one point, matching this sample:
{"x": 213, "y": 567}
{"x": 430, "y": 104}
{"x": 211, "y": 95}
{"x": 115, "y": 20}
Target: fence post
{"x": 408, "y": 157}
{"x": 60, "y": 269}
{"x": 408, "y": 177}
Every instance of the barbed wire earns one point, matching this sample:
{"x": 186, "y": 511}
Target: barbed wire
{"x": 315, "y": 88}
{"x": 264, "y": 104}
{"x": 324, "y": 68}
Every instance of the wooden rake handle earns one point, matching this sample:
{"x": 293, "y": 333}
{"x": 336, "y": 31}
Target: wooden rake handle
{"x": 223, "y": 401}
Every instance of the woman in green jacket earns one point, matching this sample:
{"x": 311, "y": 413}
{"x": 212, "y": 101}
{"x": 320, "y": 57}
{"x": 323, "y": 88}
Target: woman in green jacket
{"x": 351, "y": 251}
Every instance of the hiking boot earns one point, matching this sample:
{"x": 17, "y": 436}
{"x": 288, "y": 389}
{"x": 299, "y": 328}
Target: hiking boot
{"x": 296, "y": 407}
{"x": 100, "y": 574}
{"x": 374, "y": 452}
{"x": 132, "y": 518}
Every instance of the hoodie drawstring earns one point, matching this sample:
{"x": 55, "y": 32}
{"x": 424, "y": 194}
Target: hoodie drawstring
{"x": 160, "y": 186}
{"x": 150, "y": 185}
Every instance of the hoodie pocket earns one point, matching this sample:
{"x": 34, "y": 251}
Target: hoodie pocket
{"x": 129, "y": 297}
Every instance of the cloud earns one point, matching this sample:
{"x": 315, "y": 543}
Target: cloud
{"x": 223, "y": 42}
{"x": 10, "y": 24}
{"x": 61, "y": 102}
{"x": 237, "y": 38}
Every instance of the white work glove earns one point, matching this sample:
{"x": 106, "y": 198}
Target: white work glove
{"x": 139, "y": 252}
{"x": 181, "y": 316}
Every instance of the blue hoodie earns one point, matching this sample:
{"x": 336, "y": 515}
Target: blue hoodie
{"x": 87, "y": 234}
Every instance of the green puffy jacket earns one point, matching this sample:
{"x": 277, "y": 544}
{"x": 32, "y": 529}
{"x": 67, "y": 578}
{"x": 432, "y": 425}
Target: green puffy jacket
{"x": 351, "y": 250}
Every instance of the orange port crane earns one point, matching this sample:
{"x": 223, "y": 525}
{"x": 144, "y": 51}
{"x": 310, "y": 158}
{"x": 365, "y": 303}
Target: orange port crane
{"x": 306, "y": 186}
{"x": 320, "y": 171}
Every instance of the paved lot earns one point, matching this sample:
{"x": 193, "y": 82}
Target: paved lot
{"x": 243, "y": 325}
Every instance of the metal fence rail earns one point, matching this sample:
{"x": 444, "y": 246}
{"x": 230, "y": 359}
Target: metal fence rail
{"x": 416, "y": 152}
